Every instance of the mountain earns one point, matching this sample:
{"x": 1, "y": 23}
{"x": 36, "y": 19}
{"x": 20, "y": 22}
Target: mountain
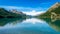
{"x": 53, "y": 11}
{"x": 11, "y": 14}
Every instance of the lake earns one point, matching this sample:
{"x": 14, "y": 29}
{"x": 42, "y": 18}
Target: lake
{"x": 29, "y": 26}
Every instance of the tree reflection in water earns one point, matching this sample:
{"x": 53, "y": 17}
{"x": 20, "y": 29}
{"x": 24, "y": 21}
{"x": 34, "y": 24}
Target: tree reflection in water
{"x": 53, "y": 23}
{"x": 4, "y": 21}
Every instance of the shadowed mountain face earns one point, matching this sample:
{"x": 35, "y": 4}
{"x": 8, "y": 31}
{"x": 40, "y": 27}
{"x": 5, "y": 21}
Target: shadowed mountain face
{"x": 10, "y": 14}
{"x": 53, "y": 12}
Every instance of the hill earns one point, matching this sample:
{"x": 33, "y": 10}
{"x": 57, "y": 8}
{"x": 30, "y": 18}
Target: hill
{"x": 11, "y": 14}
{"x": 53, "y": 11}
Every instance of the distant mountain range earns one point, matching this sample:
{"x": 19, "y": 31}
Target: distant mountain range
{"x": 53, "y": 12}
{"x": 11, "y": 14}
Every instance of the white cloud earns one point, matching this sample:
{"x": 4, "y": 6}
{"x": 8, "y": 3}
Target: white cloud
{"x": 33, "y": 13}
{"x": 15, "y": 7}
{"x": 27, "y": 10}
{"x": 23, "y": 8}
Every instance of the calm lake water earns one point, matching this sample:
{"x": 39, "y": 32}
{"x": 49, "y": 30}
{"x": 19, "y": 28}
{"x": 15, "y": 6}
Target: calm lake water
{"x": 29, "y": 26}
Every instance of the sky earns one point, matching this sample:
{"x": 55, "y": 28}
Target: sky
{"x": 31, "y": 7}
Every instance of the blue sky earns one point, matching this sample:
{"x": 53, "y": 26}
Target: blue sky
{"x": 28, "y": 5}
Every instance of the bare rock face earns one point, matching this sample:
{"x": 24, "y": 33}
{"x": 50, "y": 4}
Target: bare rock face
{"x": 53, "y": 9}
{"x": 56, "y": 5}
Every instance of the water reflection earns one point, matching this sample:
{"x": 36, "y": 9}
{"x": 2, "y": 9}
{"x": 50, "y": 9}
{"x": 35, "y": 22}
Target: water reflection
{"x": 29, "y": 26}
{"x": 33, "y": 21}
{"x": 4, "y": 21}
{"x": 54, "y": 23}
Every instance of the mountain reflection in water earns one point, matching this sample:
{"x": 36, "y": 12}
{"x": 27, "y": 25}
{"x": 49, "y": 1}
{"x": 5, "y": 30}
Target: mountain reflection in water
{"x": 54, "y": 23}
{"x": 29, "y": 26}
{"x": 4, "y": 21}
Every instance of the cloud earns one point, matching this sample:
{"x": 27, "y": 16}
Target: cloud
{"x": 24, "y": 8}
{"x": 27, "y": 10}
{"x": 33, "y": 13}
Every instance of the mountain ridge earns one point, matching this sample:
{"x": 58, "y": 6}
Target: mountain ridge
{"x": 53, "y": 11}
{"x": 9, "y": 14}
